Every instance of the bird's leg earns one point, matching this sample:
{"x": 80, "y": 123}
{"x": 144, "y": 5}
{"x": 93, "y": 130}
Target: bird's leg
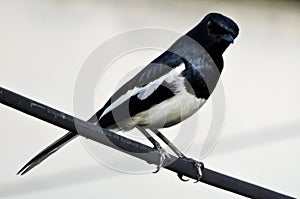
{"x": 163, "y": 154}
{"x": 197, "y": 164}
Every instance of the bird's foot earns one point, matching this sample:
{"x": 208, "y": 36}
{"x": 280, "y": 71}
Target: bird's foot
{"x": 163, "y": 156}
{"x": 196, "y": 164}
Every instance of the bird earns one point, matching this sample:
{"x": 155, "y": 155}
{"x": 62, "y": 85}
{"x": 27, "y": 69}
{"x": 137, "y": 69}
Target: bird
{"x": 165, "y": 92}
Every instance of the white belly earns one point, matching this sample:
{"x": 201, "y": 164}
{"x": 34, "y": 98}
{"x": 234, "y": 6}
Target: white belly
{"x": 169, "y": 112}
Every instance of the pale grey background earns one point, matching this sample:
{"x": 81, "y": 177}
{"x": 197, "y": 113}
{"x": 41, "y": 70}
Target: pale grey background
{"x": 43, "y": 45}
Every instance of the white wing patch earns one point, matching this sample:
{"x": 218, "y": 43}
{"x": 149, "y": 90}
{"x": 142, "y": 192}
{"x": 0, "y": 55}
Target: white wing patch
{"x": 148, "y": 89}
{"x": 179, "y": 69}
{"x": 152, "y": 86}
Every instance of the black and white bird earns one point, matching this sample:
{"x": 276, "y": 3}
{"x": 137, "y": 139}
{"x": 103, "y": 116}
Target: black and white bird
{"x": 168, "y": 90}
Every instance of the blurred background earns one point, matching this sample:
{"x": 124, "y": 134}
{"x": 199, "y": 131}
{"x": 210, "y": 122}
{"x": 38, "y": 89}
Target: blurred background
{"x": 43, "y": 45}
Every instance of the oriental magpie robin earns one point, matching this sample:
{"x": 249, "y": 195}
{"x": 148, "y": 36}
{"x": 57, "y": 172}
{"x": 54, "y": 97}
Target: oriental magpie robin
{"x": 168, "y": 90}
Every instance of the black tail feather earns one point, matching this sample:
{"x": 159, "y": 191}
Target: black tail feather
{"x": 55, "y": 146}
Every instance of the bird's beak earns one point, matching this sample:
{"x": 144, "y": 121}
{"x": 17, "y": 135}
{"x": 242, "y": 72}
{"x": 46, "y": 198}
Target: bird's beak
{"x": 228, "y": 38}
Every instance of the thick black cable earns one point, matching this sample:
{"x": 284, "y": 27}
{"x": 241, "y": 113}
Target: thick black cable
{"x": 131, "y": 147}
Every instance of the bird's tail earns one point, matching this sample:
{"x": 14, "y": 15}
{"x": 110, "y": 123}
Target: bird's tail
{"x": 55, "y": 146}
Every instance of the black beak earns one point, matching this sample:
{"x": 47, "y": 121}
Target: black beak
{"x": 228, "y": 38}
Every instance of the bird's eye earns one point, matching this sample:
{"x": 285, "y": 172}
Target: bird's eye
{"x": 216, "y": 29}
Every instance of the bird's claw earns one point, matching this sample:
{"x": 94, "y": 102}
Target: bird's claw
{"x": 163, "y": 156}
{"x": 180, "y": 176}
{"x": 198, "y": 165}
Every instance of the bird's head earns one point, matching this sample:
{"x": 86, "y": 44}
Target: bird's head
{"x": 215, "y": 33}
{"x": 221, "y": 29}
